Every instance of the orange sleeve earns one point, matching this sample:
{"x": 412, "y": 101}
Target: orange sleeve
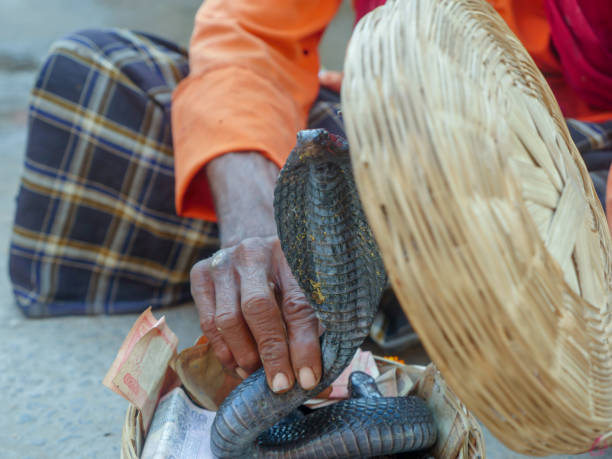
{"x": 253, "y": 77}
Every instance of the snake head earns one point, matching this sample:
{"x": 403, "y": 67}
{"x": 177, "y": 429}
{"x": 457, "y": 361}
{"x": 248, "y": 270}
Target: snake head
{"x": 315, "y": 144}
{"x": 362, "y": 385}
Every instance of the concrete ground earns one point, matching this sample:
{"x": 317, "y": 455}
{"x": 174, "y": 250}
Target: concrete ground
{"x": 52, "y": 402}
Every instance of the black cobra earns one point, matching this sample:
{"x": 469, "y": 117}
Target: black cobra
{"x": 332, "y": 254}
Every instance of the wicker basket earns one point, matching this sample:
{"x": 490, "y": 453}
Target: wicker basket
{"x": 132, "y": 436}
{"x": 461, "y": 434}
{"x": 486, "y": 217}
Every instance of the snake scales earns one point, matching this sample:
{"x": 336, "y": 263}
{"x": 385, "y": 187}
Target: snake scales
{"x": 332, "y": 254}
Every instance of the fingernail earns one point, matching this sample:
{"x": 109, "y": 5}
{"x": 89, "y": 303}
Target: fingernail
{"x": 280, "y": 382}
{"x": 243, "y": 374}
{"x": 307, "y": 378}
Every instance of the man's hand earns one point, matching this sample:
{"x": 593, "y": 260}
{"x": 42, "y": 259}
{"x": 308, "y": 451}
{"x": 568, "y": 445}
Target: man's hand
{"x": 250, "y": 306}
{"x": 238, "y": 293}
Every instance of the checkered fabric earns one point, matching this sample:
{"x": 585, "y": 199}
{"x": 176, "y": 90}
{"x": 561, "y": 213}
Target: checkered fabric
{"x": 594, "y": 142}
{"x": 96, "y": 230}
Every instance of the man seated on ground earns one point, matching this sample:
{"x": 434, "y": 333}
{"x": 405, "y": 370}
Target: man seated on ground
{"x": 96, "y": 228}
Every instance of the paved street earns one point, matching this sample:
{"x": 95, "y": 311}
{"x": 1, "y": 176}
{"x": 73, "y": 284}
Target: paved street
{"x": 52, "y": 402}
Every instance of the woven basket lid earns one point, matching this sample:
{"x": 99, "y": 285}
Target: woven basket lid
{"x": 488, "y": 223}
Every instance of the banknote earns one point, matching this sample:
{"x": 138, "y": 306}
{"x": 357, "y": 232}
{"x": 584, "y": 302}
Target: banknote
{"x": 140, "y": 370}
{"x": 396, "y": 379}
{"x": 203, "y": 376}
{"x": 362, "y": 361}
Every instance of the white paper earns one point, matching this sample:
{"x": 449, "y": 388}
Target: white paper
{"x": 179, "y": 429}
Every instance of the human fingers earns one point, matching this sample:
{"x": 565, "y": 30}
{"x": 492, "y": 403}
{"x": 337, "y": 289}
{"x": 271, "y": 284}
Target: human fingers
{"x": 203, "y": 294}
{"x": 331, "y": 79}
{"x": 229, "y": 321}
{"x": 262, "y": 314}
{"x": 302, "y": 327}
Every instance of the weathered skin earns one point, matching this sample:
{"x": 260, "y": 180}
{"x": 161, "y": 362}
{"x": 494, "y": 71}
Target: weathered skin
{"x": 333, "y": 256}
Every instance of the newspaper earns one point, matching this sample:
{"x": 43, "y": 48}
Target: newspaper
{"x": 140, "y": 370}
{"x": 179, "y": 429}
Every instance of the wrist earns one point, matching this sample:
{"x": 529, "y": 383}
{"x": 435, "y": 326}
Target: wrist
{"x": 242, "y": 185}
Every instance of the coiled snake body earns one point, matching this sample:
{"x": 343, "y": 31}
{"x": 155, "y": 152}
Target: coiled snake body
{"x": 333, "y": 256}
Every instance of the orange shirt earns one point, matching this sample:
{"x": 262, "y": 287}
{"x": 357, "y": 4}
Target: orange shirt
{"x": 253, "y": 77}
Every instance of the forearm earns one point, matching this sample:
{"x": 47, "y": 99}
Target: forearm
{"x": 250, "y": 306}
{"x": 253, "y": 77}
{"x": 242, "y": 185}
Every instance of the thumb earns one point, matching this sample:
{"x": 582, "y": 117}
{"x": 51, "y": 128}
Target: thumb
{"x": 331, "y": 79}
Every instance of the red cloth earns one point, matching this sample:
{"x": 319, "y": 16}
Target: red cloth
{"x": 362, "y": 7}
{"x": 581, "y": 31}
